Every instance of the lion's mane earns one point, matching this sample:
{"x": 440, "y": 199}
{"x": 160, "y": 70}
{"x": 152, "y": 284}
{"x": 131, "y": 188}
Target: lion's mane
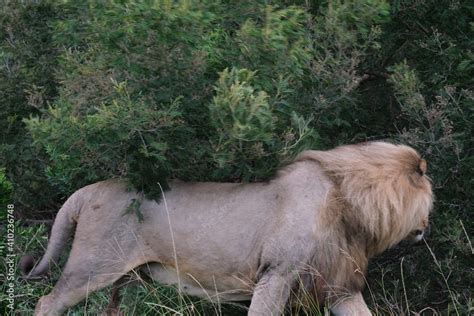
{"x": 381, "y": 190}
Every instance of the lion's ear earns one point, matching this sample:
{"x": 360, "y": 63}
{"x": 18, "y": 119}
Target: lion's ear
{"x": 422, "y": 166}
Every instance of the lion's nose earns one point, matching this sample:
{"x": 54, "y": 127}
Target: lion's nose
{"x": 418, "y": 235}
{"x": 425, "y": 232}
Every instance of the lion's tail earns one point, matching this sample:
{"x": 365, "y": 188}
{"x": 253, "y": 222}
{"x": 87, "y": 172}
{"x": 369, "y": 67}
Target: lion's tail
{"x": 63, "y": 227}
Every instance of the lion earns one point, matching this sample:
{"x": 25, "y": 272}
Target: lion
{"x": 314, "y": 225}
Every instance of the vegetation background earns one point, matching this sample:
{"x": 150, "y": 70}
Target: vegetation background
{"x": 227, "y": 91}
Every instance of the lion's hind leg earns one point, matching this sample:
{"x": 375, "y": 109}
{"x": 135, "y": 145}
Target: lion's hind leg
{"x": 87, "y": 270}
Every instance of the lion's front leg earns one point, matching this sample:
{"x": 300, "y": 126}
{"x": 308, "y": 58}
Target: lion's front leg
{"x": 351, "y": 306}
{"x": 271, "y": 294}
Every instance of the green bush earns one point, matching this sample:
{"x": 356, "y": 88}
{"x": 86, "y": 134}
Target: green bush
{"x": 250, "y": 137}
{"x": 27, "y": 84}
{"x": 260, "y": 113}
{"x": 119, "y": 138}
{"x": 5, "y": 189}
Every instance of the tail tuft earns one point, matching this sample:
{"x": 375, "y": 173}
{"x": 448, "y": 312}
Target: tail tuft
{"x": 26, "y": 264}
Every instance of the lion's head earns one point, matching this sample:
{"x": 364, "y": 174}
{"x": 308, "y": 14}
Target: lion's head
{"x": 385, "y": 187}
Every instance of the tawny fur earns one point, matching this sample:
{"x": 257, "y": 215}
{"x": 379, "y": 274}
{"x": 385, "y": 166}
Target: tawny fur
{"x": 319, "y": 221}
